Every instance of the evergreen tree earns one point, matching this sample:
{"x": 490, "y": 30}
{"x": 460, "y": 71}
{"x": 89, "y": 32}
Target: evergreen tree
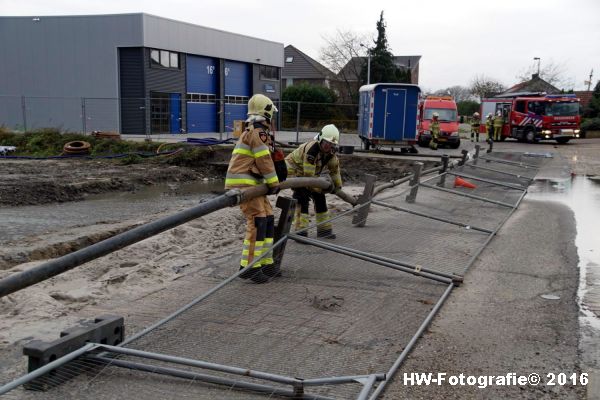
{"x": 593, "y": 109}
{"x": 383, "y": 68}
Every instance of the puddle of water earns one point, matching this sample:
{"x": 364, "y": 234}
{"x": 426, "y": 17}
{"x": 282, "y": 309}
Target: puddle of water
{"x": 20, "y": 222}
{"x": 582, "y": 195}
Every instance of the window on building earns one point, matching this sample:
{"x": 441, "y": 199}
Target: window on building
{"x": 269, "y": 73}
{"x": 201, "y": 98}
{"x": 289, "y": 59}
{"x": 236, "y": 99}
{"x": 164, "y": 59}
{"x": 159, "y": 112}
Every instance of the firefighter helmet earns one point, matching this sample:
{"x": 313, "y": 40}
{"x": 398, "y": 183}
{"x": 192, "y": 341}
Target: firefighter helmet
{"x": 330, "y": 134}
{"x": 490, "y": 115}
{"x": 435, "y": 115}
{"x": 499, "y": 113}
{"x": 261, "y": 105}
{"x": 476, "y": 114}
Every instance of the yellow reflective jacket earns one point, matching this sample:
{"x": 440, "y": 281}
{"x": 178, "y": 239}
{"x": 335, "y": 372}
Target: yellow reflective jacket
{"x": 308, "y": 160}
{"x": 251, "y": 163}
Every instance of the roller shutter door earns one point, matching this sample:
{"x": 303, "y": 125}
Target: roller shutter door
{"x": 202, "y": 78}
{"x": 238, "y": 89}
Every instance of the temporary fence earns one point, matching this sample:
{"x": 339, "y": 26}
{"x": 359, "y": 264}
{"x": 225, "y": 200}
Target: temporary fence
{"x": 147, "y": 116}
{"x": 340, "y": 321}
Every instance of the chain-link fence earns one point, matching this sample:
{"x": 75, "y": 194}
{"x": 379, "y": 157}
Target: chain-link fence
{"x": 160, "y": 115}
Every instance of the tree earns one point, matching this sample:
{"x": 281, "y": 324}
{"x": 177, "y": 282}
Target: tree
{"x": 383, "y": 68}
{"x": 483, "y": 86}
{"x": 593, "y": 109}
{"x": 467, "y": 107}
{"x": 551, "y": 72}
{"x": 339, "y": 50}
{"x": 459, "y": 93}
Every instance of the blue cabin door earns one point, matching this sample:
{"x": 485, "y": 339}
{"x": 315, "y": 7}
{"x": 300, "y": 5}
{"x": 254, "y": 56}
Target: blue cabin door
{"x": 395, "y": 114}
{"x": 175, "y": 108}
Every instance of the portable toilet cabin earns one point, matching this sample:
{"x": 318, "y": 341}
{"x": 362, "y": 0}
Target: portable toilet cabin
{"x": 387, "y": 114}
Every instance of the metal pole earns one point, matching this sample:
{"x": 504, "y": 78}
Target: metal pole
{"x": 412, "y": 342}
{"x": 46, "y": 368}
{"x": 464, "y": 157}
{"x": 203, "y": 364}
{"x": 83, "y": 116}
{"x": 298, "y": 122}
{"x": 360, "y": 218}
{"x": 471, "y": 196}
{"x": 380, "y": 203}
{"x": 476, "y": 156}
{"x": 442, "y": 173}
{"x": 59, "y": 265}
{"x": 517, "y": 163}
{"x": 499, "y": 171}
{"x": 24, "y": 111}
{"x": 369, "y": 258}
{"x": 414, "y": 182}
{"x": 336, "y": 380}
{"x": 477, "y": 178}
{"x": 368, "y": 66}
{"x": 206, "y": 378}
{"x": 367, "y": 386}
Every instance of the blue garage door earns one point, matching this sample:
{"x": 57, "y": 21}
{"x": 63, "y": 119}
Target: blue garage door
{"x": 238, "y": 89}
{"x": 202, "y": 75}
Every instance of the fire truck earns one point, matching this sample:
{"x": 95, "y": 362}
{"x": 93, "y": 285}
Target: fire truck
{"x": 533, "y": 116}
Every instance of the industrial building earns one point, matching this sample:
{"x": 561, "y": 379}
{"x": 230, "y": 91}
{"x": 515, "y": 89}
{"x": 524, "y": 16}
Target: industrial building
{"x": 131, "y": 73}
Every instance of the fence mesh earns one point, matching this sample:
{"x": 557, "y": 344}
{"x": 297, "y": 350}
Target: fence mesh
{"x": 330, "y": 314}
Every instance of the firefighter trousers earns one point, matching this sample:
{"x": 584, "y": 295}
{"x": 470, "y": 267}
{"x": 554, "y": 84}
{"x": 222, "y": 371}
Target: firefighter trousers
{"x": 301, "y": 217}
{"x": 475, "y": 134}
{"x": 260, "y": 229}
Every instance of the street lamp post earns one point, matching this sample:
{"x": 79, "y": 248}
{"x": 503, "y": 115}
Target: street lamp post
{"x": 539, "y": 61}
{"x": 368, "y": 64}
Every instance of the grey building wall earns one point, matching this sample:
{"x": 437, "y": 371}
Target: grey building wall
{"x": 55, "y": 61}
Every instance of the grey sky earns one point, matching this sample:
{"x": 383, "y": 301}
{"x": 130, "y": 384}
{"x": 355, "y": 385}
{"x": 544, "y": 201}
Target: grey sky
{"x": 456, "y": 39}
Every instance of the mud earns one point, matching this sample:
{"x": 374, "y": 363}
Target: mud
{"x": 30, "y": 182}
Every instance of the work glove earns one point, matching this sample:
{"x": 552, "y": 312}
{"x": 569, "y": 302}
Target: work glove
{"x": 273, "y": 190}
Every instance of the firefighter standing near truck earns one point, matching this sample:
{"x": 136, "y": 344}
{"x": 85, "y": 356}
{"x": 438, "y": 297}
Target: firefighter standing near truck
{"x": 498, "y": 123}
{"x": 435, "y": 131}
{"x": 489, "y": 126}
{"x": 475, "y": 123}
{"x": 251, "y": 165}
{"x": 309, "y": 160}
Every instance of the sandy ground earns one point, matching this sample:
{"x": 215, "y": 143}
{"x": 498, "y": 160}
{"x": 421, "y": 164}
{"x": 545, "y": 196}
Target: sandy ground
{"x": 456, "y": 342}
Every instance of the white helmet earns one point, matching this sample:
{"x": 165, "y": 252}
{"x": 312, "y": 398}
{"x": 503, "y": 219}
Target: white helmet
{"x": 499, "y": 113}
{"x": 476, "y": 114}
{"x": 435, "y": 115}
{"x": 490, "y": 115}
{"x": 261, "y": 105}
{"x": 331, "y": 134}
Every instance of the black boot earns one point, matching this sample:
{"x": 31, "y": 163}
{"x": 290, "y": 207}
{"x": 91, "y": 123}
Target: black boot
{"x": 326, "y": 234}
{"x": 271, "y": 270}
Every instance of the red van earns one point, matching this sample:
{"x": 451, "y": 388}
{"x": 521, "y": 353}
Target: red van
{"x": 445, "y": 106}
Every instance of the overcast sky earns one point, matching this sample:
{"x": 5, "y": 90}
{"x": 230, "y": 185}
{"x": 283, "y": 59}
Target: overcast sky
{"x": 456, "y": 39}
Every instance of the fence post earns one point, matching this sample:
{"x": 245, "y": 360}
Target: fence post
{"x": 24, "y": 113}
{"x": 83, "y": 115}
{"x": 490, "y": 142}
{"x": 414, "y": 182}
{"x": 287, "y": 205}
{"x": 463, "y": 161}
{"x": 360, "y": 218}
{"x": 476, "y": 156}
{"x": 445, "y": 159}
{"x": 298, "y": 123}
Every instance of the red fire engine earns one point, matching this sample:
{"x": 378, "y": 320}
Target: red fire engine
{"x": 532, "y": 117}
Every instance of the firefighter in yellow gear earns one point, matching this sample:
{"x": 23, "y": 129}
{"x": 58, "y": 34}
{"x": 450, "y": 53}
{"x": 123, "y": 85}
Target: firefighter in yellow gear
{"x": 475, "y": 124}
{"x": 489, "y": 126}
{"x": 434, "y": 128}
{"x": 309, "y": 160}
{"x": 498, "y": 123}
{"x": 251, "y": 164}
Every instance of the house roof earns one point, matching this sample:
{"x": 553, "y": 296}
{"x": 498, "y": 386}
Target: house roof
{"x": 303, "y": 66}
{"x": 352, "y": 68}
{"x": 535, "y": 84}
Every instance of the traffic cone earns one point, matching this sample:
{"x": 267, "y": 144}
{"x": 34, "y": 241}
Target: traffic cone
{"x": 461, "y": 182}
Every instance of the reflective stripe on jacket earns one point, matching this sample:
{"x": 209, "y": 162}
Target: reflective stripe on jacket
{"x": 251, "y": 162}
{"x": 308, "y": 160}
